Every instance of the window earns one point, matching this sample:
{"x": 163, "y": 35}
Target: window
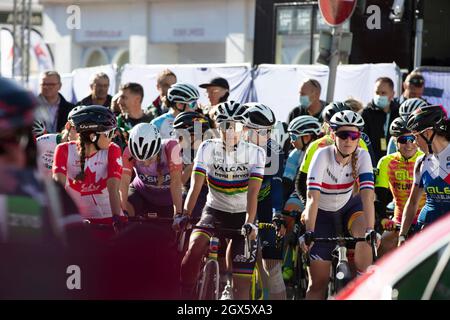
{"x": 297, "y": 33}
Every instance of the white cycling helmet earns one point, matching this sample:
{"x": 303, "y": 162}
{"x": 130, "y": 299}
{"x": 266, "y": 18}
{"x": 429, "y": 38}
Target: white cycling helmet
{"x": 409, "y": 105}
{"x": 38, "y": 128}
{"x": 182, "y": 93}
{"x": 280, "y": 134}
{"x": 346, "y": 118}
{"x": 303, "y": 125}
{"x": 259, "y": 116}
{"x": 144, "y": 141}
{"x": 231, "y": 111}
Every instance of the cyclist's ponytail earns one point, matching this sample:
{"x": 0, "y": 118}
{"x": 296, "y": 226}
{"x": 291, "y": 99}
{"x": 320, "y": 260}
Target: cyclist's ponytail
{"x": 83, "y": 138}
{"x": 354, "y": 163}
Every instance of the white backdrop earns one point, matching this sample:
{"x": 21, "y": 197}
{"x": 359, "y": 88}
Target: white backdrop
{"x": 437, "y": 84}
{"x": 238, "y": 76}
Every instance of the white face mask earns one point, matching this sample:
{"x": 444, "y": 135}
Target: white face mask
{"x": 381, "y": 101}
{"x": 304, "y": 101}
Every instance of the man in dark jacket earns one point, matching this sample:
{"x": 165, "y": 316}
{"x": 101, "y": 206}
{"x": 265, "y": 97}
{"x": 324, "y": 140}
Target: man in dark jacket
{"x": 378, "y": 116}
{"x": 165, "y": 79}
{"x": 99, "y": 84}
{"x": 310, "y": 103}
{"x": 54, "y": 108}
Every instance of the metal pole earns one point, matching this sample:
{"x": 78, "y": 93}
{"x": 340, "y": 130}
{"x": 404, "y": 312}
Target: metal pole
{"x": 22, "y": 43}
{"x": 418, "y": 44}
{"x": 334, "y": 61}
{"x": 27, "y": 66}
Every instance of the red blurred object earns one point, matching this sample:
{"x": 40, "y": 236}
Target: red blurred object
{"x": 336, "y": 12}
{"x": 420, "y": 269}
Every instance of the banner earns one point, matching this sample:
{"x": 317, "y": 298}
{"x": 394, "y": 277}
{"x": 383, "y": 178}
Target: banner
{"x": 39, "y": 52}
{"x": 6, "y": 52}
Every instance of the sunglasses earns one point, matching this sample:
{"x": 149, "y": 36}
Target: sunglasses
{"x": 294, "y": 137}
{"x": 262, "y": 132}
{"x": 344, "y": 135}
{"x": 405, "y": 139}
{"x": 109, "y": 134}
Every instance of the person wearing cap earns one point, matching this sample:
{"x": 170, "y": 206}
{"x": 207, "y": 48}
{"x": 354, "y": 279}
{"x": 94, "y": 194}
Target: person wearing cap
{"x": 413, "y": 87}
{"x": 310, "y": 103}
{"x": 218, "y": 91}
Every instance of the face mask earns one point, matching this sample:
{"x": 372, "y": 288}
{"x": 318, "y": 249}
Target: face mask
{"x": 304, "y": 101}
{"x": 381, "y": 102}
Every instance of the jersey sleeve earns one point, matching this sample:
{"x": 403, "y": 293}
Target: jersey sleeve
{"x": 277, "y": 185}
{"x": 60, "y": 159}
{"x": 366, "y": 180}
{"x": 256, "y": 170}
{"x": 382, "y": 175}
{"x": 290, "y": 170}
{"x": 114, "y": 161}
{"x": 316, "y": 171}
{"x": 128, "y": 161}
{"x": 418, "y": 171}
{"x": 173, "y": 154}
{"x": 200, "y": 164}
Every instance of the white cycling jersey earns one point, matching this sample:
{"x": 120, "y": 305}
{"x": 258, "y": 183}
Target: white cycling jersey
{"x": 334, "y": 181}
{"x": 228, "y": 172}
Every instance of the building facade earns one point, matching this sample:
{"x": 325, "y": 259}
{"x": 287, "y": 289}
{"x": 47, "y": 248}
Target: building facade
{"x": 87, "y": 33}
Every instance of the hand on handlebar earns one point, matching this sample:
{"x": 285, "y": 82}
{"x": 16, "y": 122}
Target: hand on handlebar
{"x": 280, "y": 224}
{"x": 180, "y": 222}
{"x": 249, "y": 230}
{"x": 373, "y": 236}
{"x": 306, "y": 241}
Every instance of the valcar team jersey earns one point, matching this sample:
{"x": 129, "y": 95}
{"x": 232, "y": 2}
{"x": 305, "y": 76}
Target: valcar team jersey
{"x": 317, "y": 144}
{"x": 46, "y": 145}
{"x": 228, "y": 172}
{"x": 164, "y": 123}
{"x": 91, "y": 195}
{"x": 334, "y": 181}
{"x": 153, "y": 180}
{"x": 434, "y": 178}
{"x": 396, "y": 173}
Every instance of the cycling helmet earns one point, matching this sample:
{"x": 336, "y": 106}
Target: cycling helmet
{"x": 346, "y": 118}
{"x": 182, "y": 93}
{"x": 38, "y": 128}
{"x": 280, "y": 134}
{"x": 332, "y": 108}
{"x": 398, "y": 127}
{"x": 92, "y": 118}
{"x": 17, "y": 106}
{"x": 144, "y": 141}
{"x": 303, "y": 125}
{"x": 186, "y": 120}
{"x": 409, "y": 105}
{"x": 231, "y": 111}
{"x": 431, "y": 116}
{"x": 259, "y": 116}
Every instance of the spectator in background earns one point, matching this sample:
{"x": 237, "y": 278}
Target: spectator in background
{"x": 165, "y": 79}
{"x": 115, "y": 106}
{"x": 131, "y": 95}
{"x": 378, "y": 116}
{"x": 413, "y": 87}
{"x": 54, "y": 107}
{"x": 357, "y": 106}
{"x": 99, "y": 84}
{"x": 310, "y": 103}
{"x": 218, "y": 91}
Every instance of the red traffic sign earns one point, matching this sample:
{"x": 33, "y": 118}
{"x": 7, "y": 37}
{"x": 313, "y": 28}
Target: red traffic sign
{"x": 336, "y": 12}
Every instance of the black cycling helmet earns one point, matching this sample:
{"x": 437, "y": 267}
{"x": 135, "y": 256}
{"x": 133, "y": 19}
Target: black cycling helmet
{"x": 259, "y": 116}
{"x": 186, "y": 120}
{"x": 398, "y": 127}
{"x": 17, "y": 106}
{"x": 432, "y": 116}
{"x": 329, "y": 111}
{"x": 93, "y": 118}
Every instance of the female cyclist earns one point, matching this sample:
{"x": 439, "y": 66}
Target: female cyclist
{"x": 91, "y": 167}
{"x": 331, "y": 209}
{"x": 260, "y": 120}
{"x": 431, "y": 127}
{"x": 233, "y": 169}
{"x": 156, "y": 187}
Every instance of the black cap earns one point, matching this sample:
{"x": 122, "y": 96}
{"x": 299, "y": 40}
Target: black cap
{"x": 216, "y": 82}
{"x": 416, "y": 80}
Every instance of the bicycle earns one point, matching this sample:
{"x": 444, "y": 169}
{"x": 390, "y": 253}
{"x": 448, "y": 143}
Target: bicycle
{"x": 208, "y": 285}
{"x": 341, "y": 274}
